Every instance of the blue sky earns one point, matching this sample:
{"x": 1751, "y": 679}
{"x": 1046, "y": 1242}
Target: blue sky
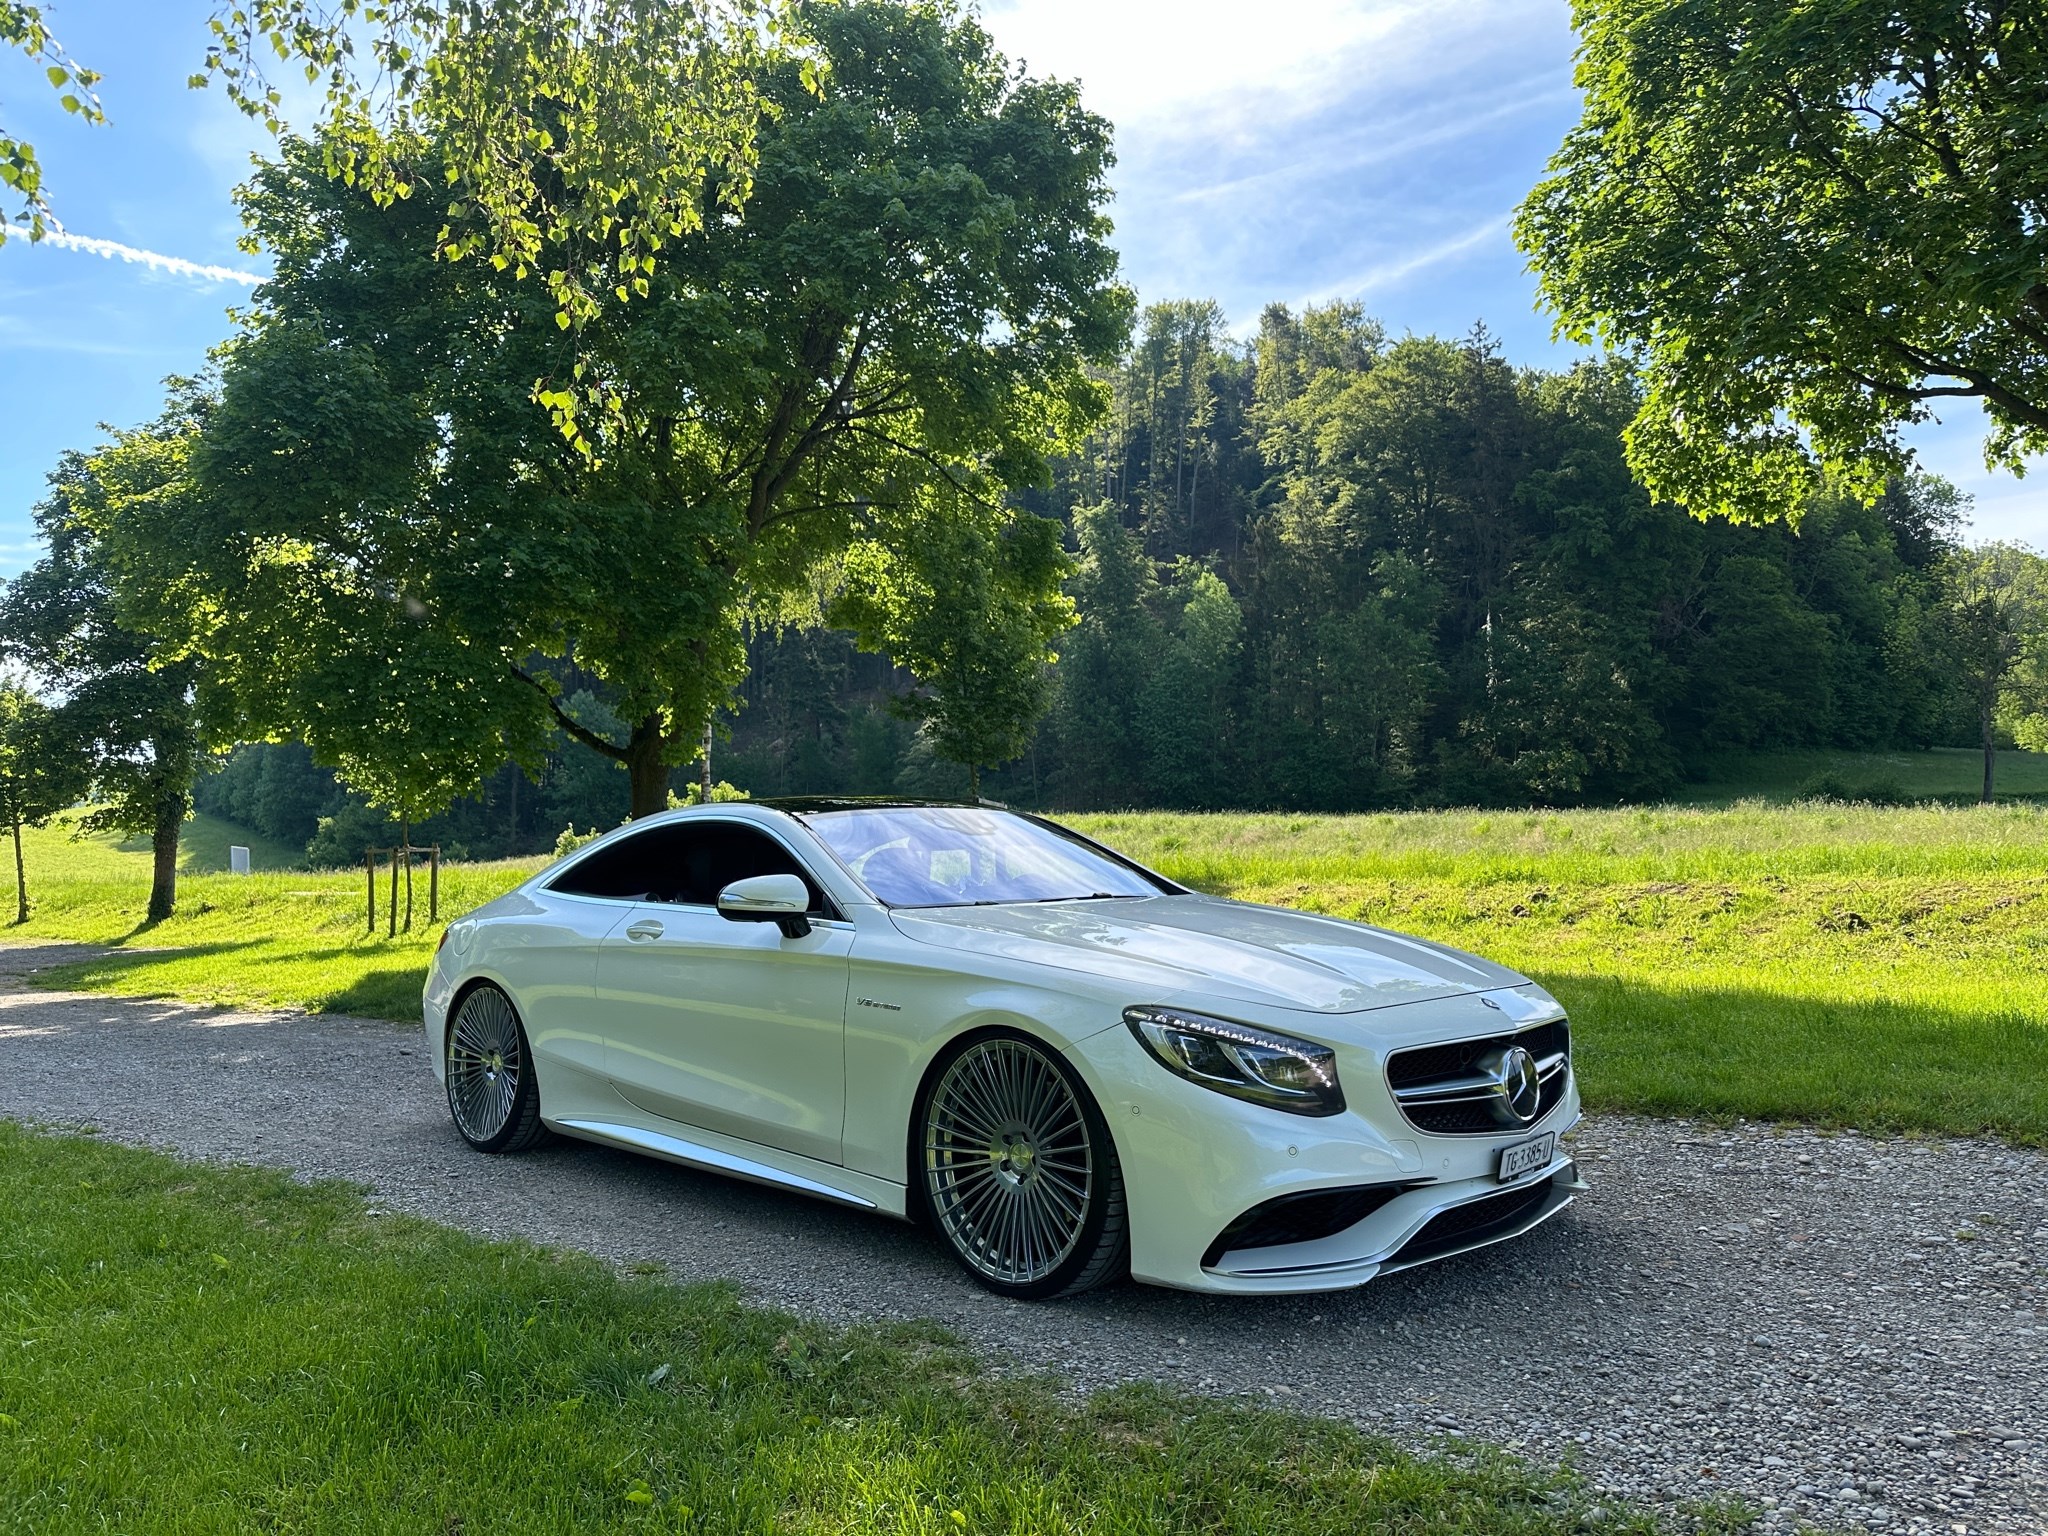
{"x": 1290, "y": 149}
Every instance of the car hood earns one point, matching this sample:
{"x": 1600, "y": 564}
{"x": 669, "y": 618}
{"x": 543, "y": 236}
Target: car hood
{"x": 1195, "y": 948}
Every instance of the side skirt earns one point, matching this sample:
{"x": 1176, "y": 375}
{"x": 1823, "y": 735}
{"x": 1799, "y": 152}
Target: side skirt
{"x": 802, "y": 1175}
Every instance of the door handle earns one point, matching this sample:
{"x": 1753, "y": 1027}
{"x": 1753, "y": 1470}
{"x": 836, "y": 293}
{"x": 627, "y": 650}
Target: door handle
{"x": 644, "y": 930}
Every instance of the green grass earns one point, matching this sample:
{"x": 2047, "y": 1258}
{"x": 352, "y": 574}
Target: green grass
{"x": 196, "y": 1349}
{"x": 1946, "y": 773}
{"x": 1845, "y": 965}
{"x": 203, "y": 848}
{"x": 1840, "y": 964}
{"x": 275, "y": 938}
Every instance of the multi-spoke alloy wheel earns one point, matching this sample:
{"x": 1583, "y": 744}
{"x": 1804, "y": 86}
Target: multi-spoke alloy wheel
{"x": 1019, "y": 1174}
{"x": 491, "y": 1091}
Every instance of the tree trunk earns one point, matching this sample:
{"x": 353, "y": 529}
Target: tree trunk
{"x": 1989, "y": 723}
{"x": 704, "y": 773}
{"x": 20, "y": 880}
{"x": 647, "y": 768}
{"x": 163, "y": 886}
{"x": 974, "y": 782}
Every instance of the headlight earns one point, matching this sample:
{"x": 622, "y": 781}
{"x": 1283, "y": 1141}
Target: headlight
{"x": 1278, "y": 1071}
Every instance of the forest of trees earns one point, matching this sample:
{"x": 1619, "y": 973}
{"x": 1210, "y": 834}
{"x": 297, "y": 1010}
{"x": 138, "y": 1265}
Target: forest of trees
{"x": 1330, "y": 570}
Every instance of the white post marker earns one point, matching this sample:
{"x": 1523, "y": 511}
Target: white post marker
{"x": 238, "y": 859}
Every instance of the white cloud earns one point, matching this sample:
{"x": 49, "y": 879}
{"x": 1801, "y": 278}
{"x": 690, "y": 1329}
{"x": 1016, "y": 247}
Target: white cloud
{"x": 156, "y": 261}
{"x": 1228, "y": 65}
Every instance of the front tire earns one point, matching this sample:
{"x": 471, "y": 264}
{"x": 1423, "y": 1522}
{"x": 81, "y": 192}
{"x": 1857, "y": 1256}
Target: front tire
{"x": 492, "y": 1095}
{"x": 1017, "y": 1172}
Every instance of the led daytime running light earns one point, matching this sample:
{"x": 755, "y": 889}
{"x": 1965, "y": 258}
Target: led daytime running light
{"x": 1278, "y": 1071}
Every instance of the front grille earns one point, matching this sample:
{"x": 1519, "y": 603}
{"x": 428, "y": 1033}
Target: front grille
{"x": 1472, "y": 1222}
{"x": 1301, "y": 1218}
{"x": 1436, "y": 1089}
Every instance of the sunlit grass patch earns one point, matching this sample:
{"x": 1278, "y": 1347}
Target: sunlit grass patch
{"x": 1879, "y": 967}
{"x": 200, "y": 1350}
{"x": 291, "y": 938}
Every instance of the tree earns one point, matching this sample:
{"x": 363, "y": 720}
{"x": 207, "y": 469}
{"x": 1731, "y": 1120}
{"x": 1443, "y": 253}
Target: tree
{"x": 1998, "y": 634}
{"x": 971, "y": 607}
{"x": 1184, "y": 716}
{"x": 39, "y": 774}
{"x": 1105, "y": 662}
{"x": 575, "y": 139}
{"x": 907, "y": 306}
{"x": 1807, "y": 223}
{"x": 1560, "y": 722}
{"x": 128, "y": 705}
{"x": 25, "y": 28}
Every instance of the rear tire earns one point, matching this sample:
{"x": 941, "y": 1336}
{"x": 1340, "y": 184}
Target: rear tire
{"x": 493, "y": 1096}
{"x": 1013, "y": 1165}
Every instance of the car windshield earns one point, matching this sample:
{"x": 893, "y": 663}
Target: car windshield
{"x": 964, "y": 856}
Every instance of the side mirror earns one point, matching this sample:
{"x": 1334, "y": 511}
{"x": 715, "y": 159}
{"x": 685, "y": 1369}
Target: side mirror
{"x": 779, "y": 899}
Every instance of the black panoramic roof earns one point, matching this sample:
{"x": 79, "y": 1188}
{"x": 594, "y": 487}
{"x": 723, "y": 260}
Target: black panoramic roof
{"x": 810, "y": 805}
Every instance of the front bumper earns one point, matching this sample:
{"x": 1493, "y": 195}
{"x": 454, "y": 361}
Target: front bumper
{"x": 1194, "y": 1161}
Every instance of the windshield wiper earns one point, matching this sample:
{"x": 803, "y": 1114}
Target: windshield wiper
{"x": 1091, "y": 896}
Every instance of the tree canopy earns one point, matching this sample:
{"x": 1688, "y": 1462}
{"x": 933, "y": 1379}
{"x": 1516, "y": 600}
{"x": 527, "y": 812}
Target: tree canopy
{"x": 575, "y": 139}
{"x": 1809, "y": 224}
{"x": 900, "y": 314}
{"x": 971, "y": 605}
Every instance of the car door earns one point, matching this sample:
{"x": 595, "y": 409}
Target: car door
{"x": 727, "y": 1026}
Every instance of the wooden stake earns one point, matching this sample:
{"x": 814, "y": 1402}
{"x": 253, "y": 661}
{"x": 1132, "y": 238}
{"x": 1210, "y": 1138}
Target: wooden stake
{"x": 434, "y": 884}
{"x": 370, "y": 871}
{"x": 394, "y": 894}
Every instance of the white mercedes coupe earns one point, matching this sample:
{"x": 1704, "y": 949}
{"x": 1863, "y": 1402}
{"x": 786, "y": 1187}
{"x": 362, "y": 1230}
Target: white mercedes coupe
{"x": 1070, "y": 1067}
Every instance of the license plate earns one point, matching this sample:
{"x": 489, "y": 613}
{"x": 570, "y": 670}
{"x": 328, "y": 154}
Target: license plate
{"x": 1527, "y": 1158}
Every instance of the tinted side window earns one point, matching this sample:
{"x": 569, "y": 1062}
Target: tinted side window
{"x": 688, "y": 864}
{"x": 626, "y": 870}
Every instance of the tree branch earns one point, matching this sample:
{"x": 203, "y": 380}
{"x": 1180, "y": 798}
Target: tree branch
{"x": 569, "y": 723}
{"x": 824, "y": 423}
{"x": 2018, "y": 406}
{"x": 927, "y": 457}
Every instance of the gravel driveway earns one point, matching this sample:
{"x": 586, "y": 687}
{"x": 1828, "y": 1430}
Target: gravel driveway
{"x": 1846, "y": 1331}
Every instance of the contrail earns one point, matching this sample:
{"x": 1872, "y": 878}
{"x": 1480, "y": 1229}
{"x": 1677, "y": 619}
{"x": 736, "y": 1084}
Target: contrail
{"x": 1393, "y": 271}
{"x": 113, "y": 250}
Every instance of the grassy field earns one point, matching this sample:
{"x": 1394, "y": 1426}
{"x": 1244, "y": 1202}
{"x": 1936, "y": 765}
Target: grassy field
{"x": 1953, "y": 774}
{"x": 277, "y": 938}
{"x": 1853, "y": 965}
{"x": 203, "y": 848}
{"x": 223, "y": 1350}
{"x": 1843, "y": 964}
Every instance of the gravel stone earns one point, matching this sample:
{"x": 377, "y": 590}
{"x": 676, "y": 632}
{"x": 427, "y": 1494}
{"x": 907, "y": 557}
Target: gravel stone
{"x": 1764, "y": 1312}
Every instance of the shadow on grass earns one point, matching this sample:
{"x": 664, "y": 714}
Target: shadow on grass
{"x": 256, "y": 973}
{"x": 1872, "y": 1063}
